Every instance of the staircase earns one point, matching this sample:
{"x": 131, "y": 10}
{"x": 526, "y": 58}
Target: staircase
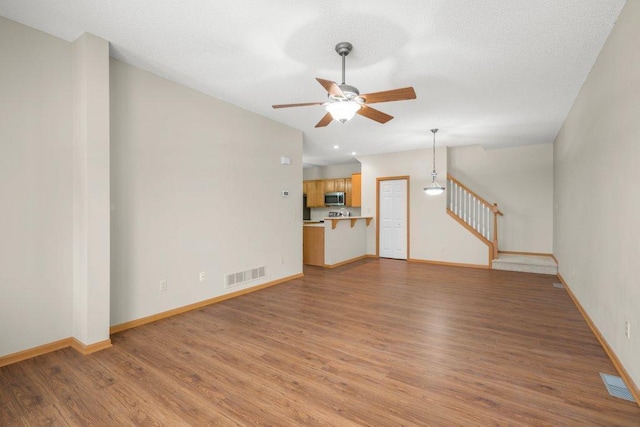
{"x": 481, "y": 219}
{"x": 541, "y": 264}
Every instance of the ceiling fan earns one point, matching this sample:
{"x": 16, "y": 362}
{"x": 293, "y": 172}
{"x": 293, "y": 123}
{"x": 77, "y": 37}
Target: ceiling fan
{"x": 345, "y": 100}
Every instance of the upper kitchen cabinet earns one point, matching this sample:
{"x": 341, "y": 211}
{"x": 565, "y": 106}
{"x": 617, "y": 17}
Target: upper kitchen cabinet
{"x": 334, "y": 185}
{"x": 315, "y": 193}
{"x": 315, "y": 190}
{"x": 356, "y": 190}
{"x": 329, "y": 185}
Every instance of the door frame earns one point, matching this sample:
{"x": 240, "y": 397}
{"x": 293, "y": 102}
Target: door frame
{"x": 392, "y": 178}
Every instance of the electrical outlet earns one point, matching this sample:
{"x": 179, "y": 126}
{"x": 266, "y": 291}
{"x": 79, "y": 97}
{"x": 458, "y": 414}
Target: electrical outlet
{"x": 202, "y": 276}
{"x": 281, "y": 260}
{"x": 627, "y": 329}
{"x": 163, "y": 285}
{"x": 443, "y": 249}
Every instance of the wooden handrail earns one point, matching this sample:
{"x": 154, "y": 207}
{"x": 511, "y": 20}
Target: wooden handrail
{"x": 483, "y": 201}
{"x": 492, "y": 207}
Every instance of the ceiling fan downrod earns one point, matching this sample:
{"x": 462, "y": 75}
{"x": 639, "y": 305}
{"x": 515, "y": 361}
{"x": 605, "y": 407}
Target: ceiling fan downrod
{"x": 343, "y": 49}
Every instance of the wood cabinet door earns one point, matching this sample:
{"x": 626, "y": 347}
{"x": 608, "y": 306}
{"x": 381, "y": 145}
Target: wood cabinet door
{"x": 348, "y": 192}
{"x": 312, "y": 194}
{"x": 329, "y": 185}
{"x": 320, "y": 190}
{"x": 356, "y": 190}
{"x": 339, "y": 184}
{"x": 313, "y": 246}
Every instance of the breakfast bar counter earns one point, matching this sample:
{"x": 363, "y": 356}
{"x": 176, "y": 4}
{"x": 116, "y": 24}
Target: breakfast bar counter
{"x": 337, "y": 241}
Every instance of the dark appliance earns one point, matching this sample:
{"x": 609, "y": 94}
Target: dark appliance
{"x": 306, "y": 212}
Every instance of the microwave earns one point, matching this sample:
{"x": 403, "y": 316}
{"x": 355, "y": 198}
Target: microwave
{"x": 334, "y": 199}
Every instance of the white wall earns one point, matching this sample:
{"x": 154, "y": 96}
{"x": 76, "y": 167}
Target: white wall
{"x": 196, "y": 186}
{"x": 520, "y": 180}
{"x": 331, "y": 171}
{"x": 35, "y": 188}
{"x": 434, "y": 235}
{"x": 597, "y": 202}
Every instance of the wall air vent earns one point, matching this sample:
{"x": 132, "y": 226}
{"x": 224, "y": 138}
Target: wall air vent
{"x": 242, "y": 277}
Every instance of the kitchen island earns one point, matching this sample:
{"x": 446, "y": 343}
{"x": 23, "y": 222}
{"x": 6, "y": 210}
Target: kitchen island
{"x": 336, "y": 241}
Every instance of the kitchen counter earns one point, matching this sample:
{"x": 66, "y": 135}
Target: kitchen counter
{"x": 334, "y": 220}
{"x": 337, "y": 241}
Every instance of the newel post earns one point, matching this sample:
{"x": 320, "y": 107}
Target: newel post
{"x": 496, "y": 212}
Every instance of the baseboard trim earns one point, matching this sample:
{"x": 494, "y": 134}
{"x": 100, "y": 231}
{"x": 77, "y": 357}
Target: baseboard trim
{"x": 633, "y": 388}
{"x": 34, "y": 352}
{"x": 159, "y": 316}
{"x": 349, "y": 261}
{"x": 85, "y": 349}
{"x": 449, "y": 264}
{"x": 54, "y": 346}
{"x": 527, "y": 253}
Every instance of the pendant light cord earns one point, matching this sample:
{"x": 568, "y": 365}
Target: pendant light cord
{"x": 434, "y": 151}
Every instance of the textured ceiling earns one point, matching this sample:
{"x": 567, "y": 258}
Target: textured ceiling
{"x": 491, "y": 72}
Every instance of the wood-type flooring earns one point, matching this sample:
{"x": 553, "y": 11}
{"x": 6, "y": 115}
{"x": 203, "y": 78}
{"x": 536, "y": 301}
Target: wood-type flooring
{"x": 377, "y": 342}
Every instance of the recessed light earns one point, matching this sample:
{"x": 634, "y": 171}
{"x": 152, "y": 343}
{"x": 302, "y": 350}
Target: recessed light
{"x": 353, "y": 153}
{"x": 335, "y": 147}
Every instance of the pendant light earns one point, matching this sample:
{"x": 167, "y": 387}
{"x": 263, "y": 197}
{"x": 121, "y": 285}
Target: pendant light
{"x": 434, "y": 189}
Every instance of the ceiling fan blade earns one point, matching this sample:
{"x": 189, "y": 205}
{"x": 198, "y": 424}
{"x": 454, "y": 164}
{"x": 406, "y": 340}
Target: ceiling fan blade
{"x": 297, "y": 105}
{"x": 331, "y": 87}
{"x": 325, "y": 120}
{"x": 390, "y": 95}
{"x": 373, "y": 114}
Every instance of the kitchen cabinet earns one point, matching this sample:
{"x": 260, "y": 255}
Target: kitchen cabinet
{"x": 356, "y": 190}
{"x": 334, "y": 185}
{"x": 320, "y": 190}
{"x": 314, "y": 189}
{"x": 330, "y": 185}
{"x": 313, "y": 245}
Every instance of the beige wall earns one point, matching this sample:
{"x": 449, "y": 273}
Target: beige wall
{"x": 520, "y": 180}
{"x": 434, "y": 235}
{"x": 91, "y": 205}
{"x": 332, "y": 171}
{"x": 196, "y": 187}
{"x": 597, "y": 201}
{"x": 35, "y": 188}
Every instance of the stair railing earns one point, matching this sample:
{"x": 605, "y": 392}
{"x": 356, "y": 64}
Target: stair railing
{"x": 475, "y": 213}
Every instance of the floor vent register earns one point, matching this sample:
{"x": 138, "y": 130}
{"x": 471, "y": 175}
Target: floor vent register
{"x": 241, "y": 277}
{"x": 616, "y": 387}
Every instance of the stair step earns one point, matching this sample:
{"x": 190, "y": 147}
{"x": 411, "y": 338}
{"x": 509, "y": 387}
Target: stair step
{"x": 526, "y": 263}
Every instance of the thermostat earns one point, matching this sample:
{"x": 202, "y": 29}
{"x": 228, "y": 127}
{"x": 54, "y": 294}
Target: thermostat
{"x": 285, "y": 193}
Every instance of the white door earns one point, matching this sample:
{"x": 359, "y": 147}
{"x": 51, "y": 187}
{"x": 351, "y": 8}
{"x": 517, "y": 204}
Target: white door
{"x": 393, "y": 219}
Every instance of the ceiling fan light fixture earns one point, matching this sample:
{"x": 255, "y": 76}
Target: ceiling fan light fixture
{"x": 343, "y": 110}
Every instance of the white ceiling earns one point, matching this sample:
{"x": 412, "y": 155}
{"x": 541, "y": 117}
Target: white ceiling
{"x": 490, "y": 72}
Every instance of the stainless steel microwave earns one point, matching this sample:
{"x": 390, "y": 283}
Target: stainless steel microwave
{"x": 334, "y": 199}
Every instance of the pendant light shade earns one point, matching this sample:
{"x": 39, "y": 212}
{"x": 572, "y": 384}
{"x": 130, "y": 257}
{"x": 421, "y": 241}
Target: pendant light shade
{"x": 434, "y": 189}
{"x": 343, "y": 110}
